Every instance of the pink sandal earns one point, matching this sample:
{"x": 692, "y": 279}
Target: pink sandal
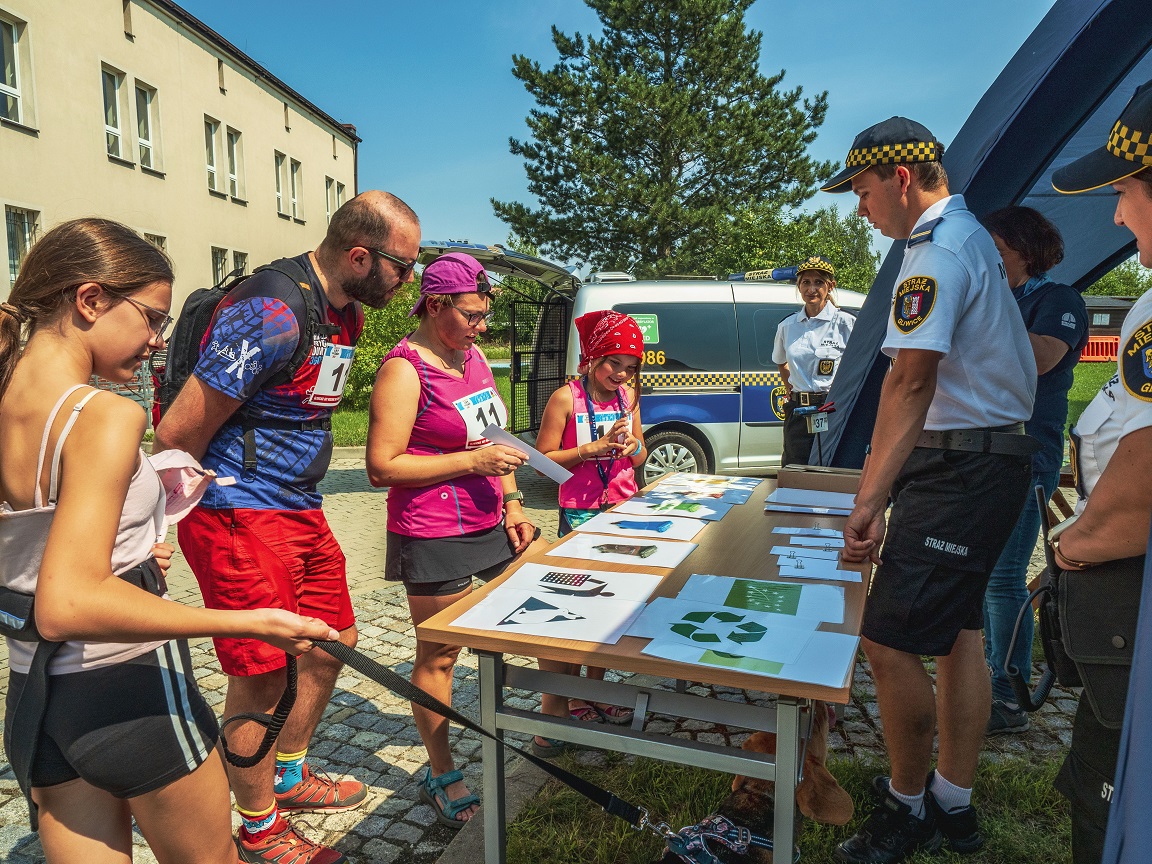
{"x": 585, "y": 714}
{"x": 617, "y": 715}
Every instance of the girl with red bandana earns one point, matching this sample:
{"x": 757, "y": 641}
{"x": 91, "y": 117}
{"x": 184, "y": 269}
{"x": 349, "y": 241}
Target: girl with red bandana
{"x": 591, "y": 426}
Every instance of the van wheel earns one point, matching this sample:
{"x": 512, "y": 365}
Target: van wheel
{"x": 670, "y": 452}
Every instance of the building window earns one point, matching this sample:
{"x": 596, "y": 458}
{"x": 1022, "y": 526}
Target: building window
{"x": 240, "y": 263}
{"x": 146, "y": 127}
{"x": 329, "y": 199}
{"x": 235, "y": 165}
{"x": 280, "y": 182}
{"x": 113, "y": 132}
{"x": 21, "y": 227}
{"x": 157, "y": 240}
{"x": 339, "y": 195}
{"x": 296, "y": 184}
{"x": 9, "y": 71}
{"x": 211, "y": 130}
{"x": 1101, "y": 319}
{"x": 219, "y": 265}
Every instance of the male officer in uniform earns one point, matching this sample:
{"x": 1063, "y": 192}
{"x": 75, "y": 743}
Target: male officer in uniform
{"x": 949, "y": 449}
{"x": 1112, "y": 454}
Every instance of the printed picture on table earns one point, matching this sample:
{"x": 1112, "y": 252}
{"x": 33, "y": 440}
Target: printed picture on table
{"x": 718, "y": 627}
{"x": 764, "y": 597}
{"x": 537, "y": 611}
{"x": 574, "y": 584}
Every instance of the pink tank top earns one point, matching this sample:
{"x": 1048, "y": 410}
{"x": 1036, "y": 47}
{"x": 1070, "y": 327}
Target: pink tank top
{"x": 450, "y": 417}
{"x": 585, "y": 489}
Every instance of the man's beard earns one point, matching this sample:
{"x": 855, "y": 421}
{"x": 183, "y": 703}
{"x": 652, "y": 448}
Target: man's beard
{"x": 372, "y": 289}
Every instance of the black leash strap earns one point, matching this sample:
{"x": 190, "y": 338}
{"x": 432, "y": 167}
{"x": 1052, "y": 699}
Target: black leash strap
{"x": 272, "y": 723}
{"x": 635, "y": 816}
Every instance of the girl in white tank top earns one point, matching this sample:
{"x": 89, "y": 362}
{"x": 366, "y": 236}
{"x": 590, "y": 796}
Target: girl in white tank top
{"x": 92, "y": 298}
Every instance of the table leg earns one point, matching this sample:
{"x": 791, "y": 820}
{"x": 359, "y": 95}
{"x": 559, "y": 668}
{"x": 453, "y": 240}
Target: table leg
{"x": 491, "y": 698}
{"x": 787, "y": 769}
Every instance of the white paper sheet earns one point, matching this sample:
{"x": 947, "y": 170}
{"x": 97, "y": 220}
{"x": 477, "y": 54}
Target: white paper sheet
{"x": 643, "y": 552}
{"x": 710, "y": 511}
{"x": 827, "y": 660}
{"x": 810, "y": 570}
{"x": 812, "y": 498}
{"x": 590, "y": 619}
{"x": 808, "y": 532}
{"x": 818, "y": 602}
{"x": 807, "y": 511}
{"x": 558, "y": 583}
{"x": 536, "y": 459}
{"x": 805, "y": 552}
{"x": 817, "y": 542}
{"x": 643, "y": 527}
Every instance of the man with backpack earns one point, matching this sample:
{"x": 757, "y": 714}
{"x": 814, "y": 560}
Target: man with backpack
{"x": 271, "y": 367}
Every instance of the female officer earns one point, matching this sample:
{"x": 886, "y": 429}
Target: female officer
{"x": 453, "y": 507}
{"x": 808, "y": 348}
{"x": 1113, "y": 452}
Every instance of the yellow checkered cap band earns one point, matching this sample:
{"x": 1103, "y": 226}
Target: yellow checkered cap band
{"x": 1130, "y": 144}
{"x": 915, "y": 151}
{"x": 815, "y": 262}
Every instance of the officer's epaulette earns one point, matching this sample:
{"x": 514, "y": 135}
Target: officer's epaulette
{"x": 924, "y": 233}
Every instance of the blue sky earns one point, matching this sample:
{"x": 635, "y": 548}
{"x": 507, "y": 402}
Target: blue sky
{"x": 430, "y": 89}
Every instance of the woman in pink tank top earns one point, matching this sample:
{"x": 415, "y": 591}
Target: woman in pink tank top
{"x": 592, "y": 427}
{"x": 453, "y": 508}
{"x": 79, "y": 507}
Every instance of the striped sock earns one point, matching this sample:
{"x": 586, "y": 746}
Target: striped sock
{"x": 289, "y": 770}
{"x": 256, "y": 824}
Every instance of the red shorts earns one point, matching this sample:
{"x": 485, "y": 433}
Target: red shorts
{"x": 259, "y": 559}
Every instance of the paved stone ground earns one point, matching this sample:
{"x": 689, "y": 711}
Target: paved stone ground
{"x": 368, "y": 733}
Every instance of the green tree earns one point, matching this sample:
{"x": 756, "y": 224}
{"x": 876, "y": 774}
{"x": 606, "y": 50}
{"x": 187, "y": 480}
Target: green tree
{"x": 1126, "y": 280}
{"x": 383, "y": 328}
{"x": 767, "y": 235}
{"x": 646, "y": 140}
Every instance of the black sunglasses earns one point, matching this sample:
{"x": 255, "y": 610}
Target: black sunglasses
{"x": 405, "y": 266}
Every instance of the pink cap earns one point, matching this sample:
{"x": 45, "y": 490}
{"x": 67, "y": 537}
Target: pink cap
{"x": 452, "y": 273}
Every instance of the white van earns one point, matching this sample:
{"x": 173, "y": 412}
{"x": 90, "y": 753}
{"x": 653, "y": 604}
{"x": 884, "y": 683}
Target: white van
{"x": 712, "y": 399}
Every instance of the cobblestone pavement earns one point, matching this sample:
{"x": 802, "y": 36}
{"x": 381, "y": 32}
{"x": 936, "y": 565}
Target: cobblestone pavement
{"x": 368, "y": 733}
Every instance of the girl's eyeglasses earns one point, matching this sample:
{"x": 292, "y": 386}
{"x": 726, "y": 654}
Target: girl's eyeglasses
{"x": 158, "y": 321}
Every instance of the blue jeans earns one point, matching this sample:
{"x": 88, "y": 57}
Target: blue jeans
{"x": 1008, "y": 591}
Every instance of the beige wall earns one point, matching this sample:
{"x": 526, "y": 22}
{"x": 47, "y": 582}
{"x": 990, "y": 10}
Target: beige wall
{"x": 57, "y": 164}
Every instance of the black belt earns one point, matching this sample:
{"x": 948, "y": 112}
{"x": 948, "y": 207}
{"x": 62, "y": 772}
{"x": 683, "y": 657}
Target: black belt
{"x": 1007, "y": 440}
{"x": 805, "y": 399}
{"x": 28, "y": 715}
{"x": 272, "y": 424}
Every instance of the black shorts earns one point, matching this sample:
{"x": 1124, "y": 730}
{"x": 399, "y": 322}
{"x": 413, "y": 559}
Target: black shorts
{"x": 441, "y": 566}
{"x": 797, "y": 439}
{"x": 128, "y": 729}
{"x": 1086, "y": 779}
{"x": 952, "y": 513}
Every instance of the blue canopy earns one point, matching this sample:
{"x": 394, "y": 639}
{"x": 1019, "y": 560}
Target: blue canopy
{"x": 1055, "y": 101}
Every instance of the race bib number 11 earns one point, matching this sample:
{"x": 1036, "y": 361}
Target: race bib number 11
{"x": 335, "y": 364}
{"x": 479, "y": 410}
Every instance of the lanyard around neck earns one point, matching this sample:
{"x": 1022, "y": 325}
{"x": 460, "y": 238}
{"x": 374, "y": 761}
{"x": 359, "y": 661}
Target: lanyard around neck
{"x": 600, "y": 468}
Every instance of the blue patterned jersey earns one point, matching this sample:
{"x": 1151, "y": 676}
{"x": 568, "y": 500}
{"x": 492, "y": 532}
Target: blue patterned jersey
{"x": 253, "y": 336}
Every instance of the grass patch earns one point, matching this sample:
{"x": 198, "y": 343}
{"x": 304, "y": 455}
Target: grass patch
{"x": 1088, "y": 378}
{"x": 350, "y": 426}
{"x": 1022, "y": 816}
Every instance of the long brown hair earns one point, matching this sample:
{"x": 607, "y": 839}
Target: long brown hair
{"x": 72, "y": 253}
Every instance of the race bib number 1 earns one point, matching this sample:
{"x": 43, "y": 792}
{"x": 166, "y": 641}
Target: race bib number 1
{"x": 603, "y": 421}
{"x": 335, "y": 364}
{"x": 478, "y": 411}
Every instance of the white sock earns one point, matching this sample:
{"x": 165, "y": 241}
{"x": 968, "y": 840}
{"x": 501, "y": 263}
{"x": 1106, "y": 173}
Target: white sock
{"x": 950, "y": 797}
{"x": 915, "y": 802}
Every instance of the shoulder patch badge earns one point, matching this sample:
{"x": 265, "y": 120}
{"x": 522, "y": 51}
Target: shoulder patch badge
{"x": 1136, "y": 363}
{"x": 913, "y": 303}
{"x": 778, "y": 397}
{"x": 825, "y": 367}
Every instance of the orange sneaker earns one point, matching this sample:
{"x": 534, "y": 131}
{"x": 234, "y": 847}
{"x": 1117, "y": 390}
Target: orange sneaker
{"x": 319, "y": 793}
{"x": 287, "y": 847}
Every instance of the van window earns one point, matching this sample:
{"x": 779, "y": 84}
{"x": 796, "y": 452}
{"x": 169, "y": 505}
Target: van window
{"x": 758, "y": 325}
{"x": 694, "y": 337}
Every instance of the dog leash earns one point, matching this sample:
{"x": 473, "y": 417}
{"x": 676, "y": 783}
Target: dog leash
{"x": 693, "y": 840}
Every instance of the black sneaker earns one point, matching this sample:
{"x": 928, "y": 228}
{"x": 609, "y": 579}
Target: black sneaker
{"x": 890, "y": 833}
{"x": 1004, "y": 720}
{"x": 961, "y": 828}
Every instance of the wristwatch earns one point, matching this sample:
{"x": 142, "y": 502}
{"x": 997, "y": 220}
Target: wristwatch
{"x": 1076, "y": 565}
{"x": 514, "y": 496}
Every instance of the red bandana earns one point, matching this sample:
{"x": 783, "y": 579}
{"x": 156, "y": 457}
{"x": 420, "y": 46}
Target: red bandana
{"x": 607, "y": 332}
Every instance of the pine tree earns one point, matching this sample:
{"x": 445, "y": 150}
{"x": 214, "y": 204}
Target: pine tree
{"x": 646, "y": 140}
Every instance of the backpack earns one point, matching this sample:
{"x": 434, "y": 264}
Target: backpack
{"x": 183, "y": 351}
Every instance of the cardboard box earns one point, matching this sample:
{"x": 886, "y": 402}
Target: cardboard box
{"x": 819, "y": 478}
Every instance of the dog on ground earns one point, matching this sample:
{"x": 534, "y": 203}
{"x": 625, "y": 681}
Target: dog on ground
{"x": 752, "y": 802}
